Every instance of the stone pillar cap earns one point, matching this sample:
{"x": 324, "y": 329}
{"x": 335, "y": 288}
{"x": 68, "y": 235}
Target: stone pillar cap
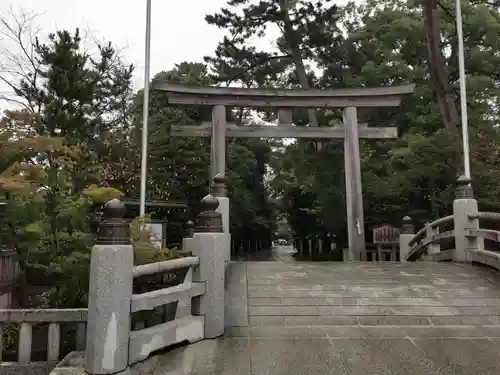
{"x": 464, "y": 188}
{"x": 209, "y": 221}
{"x": 113, "y": 229}
{"x": 115, "y": 208}
{"x": 407, "y": 227}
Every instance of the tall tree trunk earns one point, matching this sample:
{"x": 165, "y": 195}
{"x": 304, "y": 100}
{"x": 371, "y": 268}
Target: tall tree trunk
{"x": 293, "y": 41}
{"x": 440, "y": 79}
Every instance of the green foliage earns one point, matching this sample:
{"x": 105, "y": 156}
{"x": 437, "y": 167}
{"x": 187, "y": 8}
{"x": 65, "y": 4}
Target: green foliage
{"x": 178, "y": 168}
{"x": 371, "y": 44}
{"x": 53, "y": 167}
{"x": 145, "y": 250}
{"x": 52, "y": 231}
{"x": 77, "y": 96}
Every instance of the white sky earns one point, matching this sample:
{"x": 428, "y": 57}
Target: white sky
{"x": 179, "y": 31}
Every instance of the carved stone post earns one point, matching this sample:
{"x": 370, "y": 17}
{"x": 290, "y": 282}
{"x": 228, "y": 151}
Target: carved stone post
{"x": 110, "y": 291}
{"x": 333, "y": 243}
{"x": 435, "y": 247}
{"x": 208, "y": 239}
{"x": 314, "y": 241}
{"x": 187, "y": 241}
{"x": 219, "y": 191}
{"x": 405, "y": 236}
{"x": 463, "y": 206}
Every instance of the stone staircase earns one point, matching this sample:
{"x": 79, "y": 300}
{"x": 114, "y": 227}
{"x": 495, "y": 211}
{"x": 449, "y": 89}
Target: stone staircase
{"x": 350, "y": 319}
{"x": 262, "y": 295}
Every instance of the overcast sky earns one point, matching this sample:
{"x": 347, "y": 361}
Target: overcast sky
{"x": 179, "y": 31}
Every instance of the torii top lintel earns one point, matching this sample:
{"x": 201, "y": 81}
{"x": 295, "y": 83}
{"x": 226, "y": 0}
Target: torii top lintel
{"x": 386, "y": 96}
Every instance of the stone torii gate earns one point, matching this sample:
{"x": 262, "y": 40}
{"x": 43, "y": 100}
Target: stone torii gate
{"x": 348, "y": 99}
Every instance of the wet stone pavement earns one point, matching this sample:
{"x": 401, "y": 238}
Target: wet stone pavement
{"x": 299, "y": 318}
{"x": 274, "y": 254}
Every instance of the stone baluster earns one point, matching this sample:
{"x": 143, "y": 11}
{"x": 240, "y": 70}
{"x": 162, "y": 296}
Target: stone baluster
{"x": 333, "y": 243}
{"x": 187, "y": 242}
{"x": 208, "y": 239}
{"x": 405, "y": 236}
{"x": 184, "y": 305}
{"x": 24, "y": 344}
{"x": 53, "y": 343}
{"x": 81, "y": 336}
{"x": 110, "y": 291}
{"x": 346, "y": 255}
{"x": 434, "y": 247}
{"x": 463, "y": 206}
{"x": 241, "y": 250}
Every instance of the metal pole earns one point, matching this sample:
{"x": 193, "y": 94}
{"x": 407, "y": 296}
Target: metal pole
{"x": 463, "y": 90}
{"x": 145, "y": 110}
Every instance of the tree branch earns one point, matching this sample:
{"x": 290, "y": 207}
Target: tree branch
{"x": 258, "y": 63}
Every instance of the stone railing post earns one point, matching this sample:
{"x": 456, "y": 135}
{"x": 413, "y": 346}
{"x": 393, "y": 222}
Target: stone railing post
{"x": 333, "y": 242}
{"x": 219, "y": 191}
{"x": 208, "y": 239}
{"x": 320, "y": 245}
{"x": 463, "y": 206}
{"x": 434, "y": 247}
{"x": 110, "y": 291}
{"x": 345, "y": 255}
{"x": 406, "y": 234}
{"x": 187, "y": 241}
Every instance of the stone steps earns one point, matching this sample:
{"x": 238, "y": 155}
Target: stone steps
{"x": 375, "y": 320}
{"x": 422, "y": 295}
{"x": 366, "y": 332}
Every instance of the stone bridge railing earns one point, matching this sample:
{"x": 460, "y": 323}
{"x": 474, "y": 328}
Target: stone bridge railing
{"x": 105, "y": 331}
{"x": 461, "y": 231}
{"x": 31, "y": 323}
{"x": 112, "y": 345}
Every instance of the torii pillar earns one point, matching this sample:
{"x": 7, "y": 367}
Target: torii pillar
{"x": 353, "y": 188}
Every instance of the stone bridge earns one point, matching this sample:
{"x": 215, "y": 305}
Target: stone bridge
{"x": 283, "y": 316}
{"x": 322, "y": 318}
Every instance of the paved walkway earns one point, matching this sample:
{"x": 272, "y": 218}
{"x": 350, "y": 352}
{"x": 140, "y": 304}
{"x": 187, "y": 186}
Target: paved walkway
{"x": 275, "y": 254}
{"x": 351, "y": 318}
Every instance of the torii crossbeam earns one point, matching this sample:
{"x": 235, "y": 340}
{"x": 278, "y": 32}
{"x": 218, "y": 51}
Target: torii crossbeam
{"x": 284, "y": 131}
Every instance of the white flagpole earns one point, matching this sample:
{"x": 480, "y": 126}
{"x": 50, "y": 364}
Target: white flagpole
{"x": 463, "y": 90}
{"x": 145, "y": 110}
